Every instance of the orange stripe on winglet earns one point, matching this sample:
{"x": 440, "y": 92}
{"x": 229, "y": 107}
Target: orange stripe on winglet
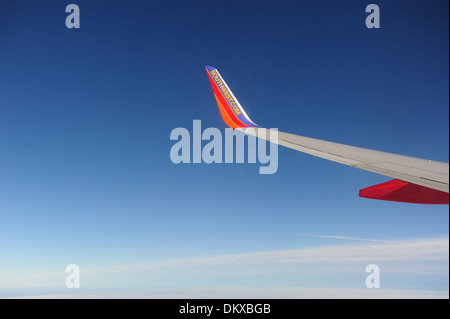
{"x": 226, "y": 118}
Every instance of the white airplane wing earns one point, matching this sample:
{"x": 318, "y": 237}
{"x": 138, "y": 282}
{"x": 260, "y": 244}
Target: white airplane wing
{"x": 415, "y": 180}
{"x": 405, "y": 169}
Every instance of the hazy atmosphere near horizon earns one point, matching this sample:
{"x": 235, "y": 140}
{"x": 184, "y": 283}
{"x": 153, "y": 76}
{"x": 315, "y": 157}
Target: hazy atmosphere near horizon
{"x": 86, "y": 176}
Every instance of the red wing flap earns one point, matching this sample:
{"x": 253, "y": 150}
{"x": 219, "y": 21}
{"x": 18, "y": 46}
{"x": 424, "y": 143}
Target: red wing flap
{"x": 400, "y": 191}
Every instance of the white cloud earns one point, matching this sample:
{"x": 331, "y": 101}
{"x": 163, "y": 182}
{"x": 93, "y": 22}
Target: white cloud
{"x": 351, "y": 238}
{"x": 404, "y": 250}
{"x": 430, "y": 256}
{"x": 245, "y": 293}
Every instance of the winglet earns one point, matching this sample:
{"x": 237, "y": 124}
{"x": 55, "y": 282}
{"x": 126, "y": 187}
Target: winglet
{"x": 232, "y": 112}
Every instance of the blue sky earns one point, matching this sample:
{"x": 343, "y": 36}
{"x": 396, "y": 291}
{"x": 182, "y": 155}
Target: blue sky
{"x": 86, "y": 115}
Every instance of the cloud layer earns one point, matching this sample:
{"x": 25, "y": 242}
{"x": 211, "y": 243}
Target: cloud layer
{"x": 245, "y": 293}
{"x": 404, "y": 250}
{"x": 417, "y": 257}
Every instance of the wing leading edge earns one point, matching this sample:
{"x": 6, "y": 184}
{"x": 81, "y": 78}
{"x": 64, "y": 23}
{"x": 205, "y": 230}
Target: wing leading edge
{"x": 415, "y": 180}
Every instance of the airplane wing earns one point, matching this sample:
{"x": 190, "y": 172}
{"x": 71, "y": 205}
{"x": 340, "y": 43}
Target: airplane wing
{"x": 415, "y": 180}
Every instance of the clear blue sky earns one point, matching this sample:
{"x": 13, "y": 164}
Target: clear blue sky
{"x": 86, "y": 114}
